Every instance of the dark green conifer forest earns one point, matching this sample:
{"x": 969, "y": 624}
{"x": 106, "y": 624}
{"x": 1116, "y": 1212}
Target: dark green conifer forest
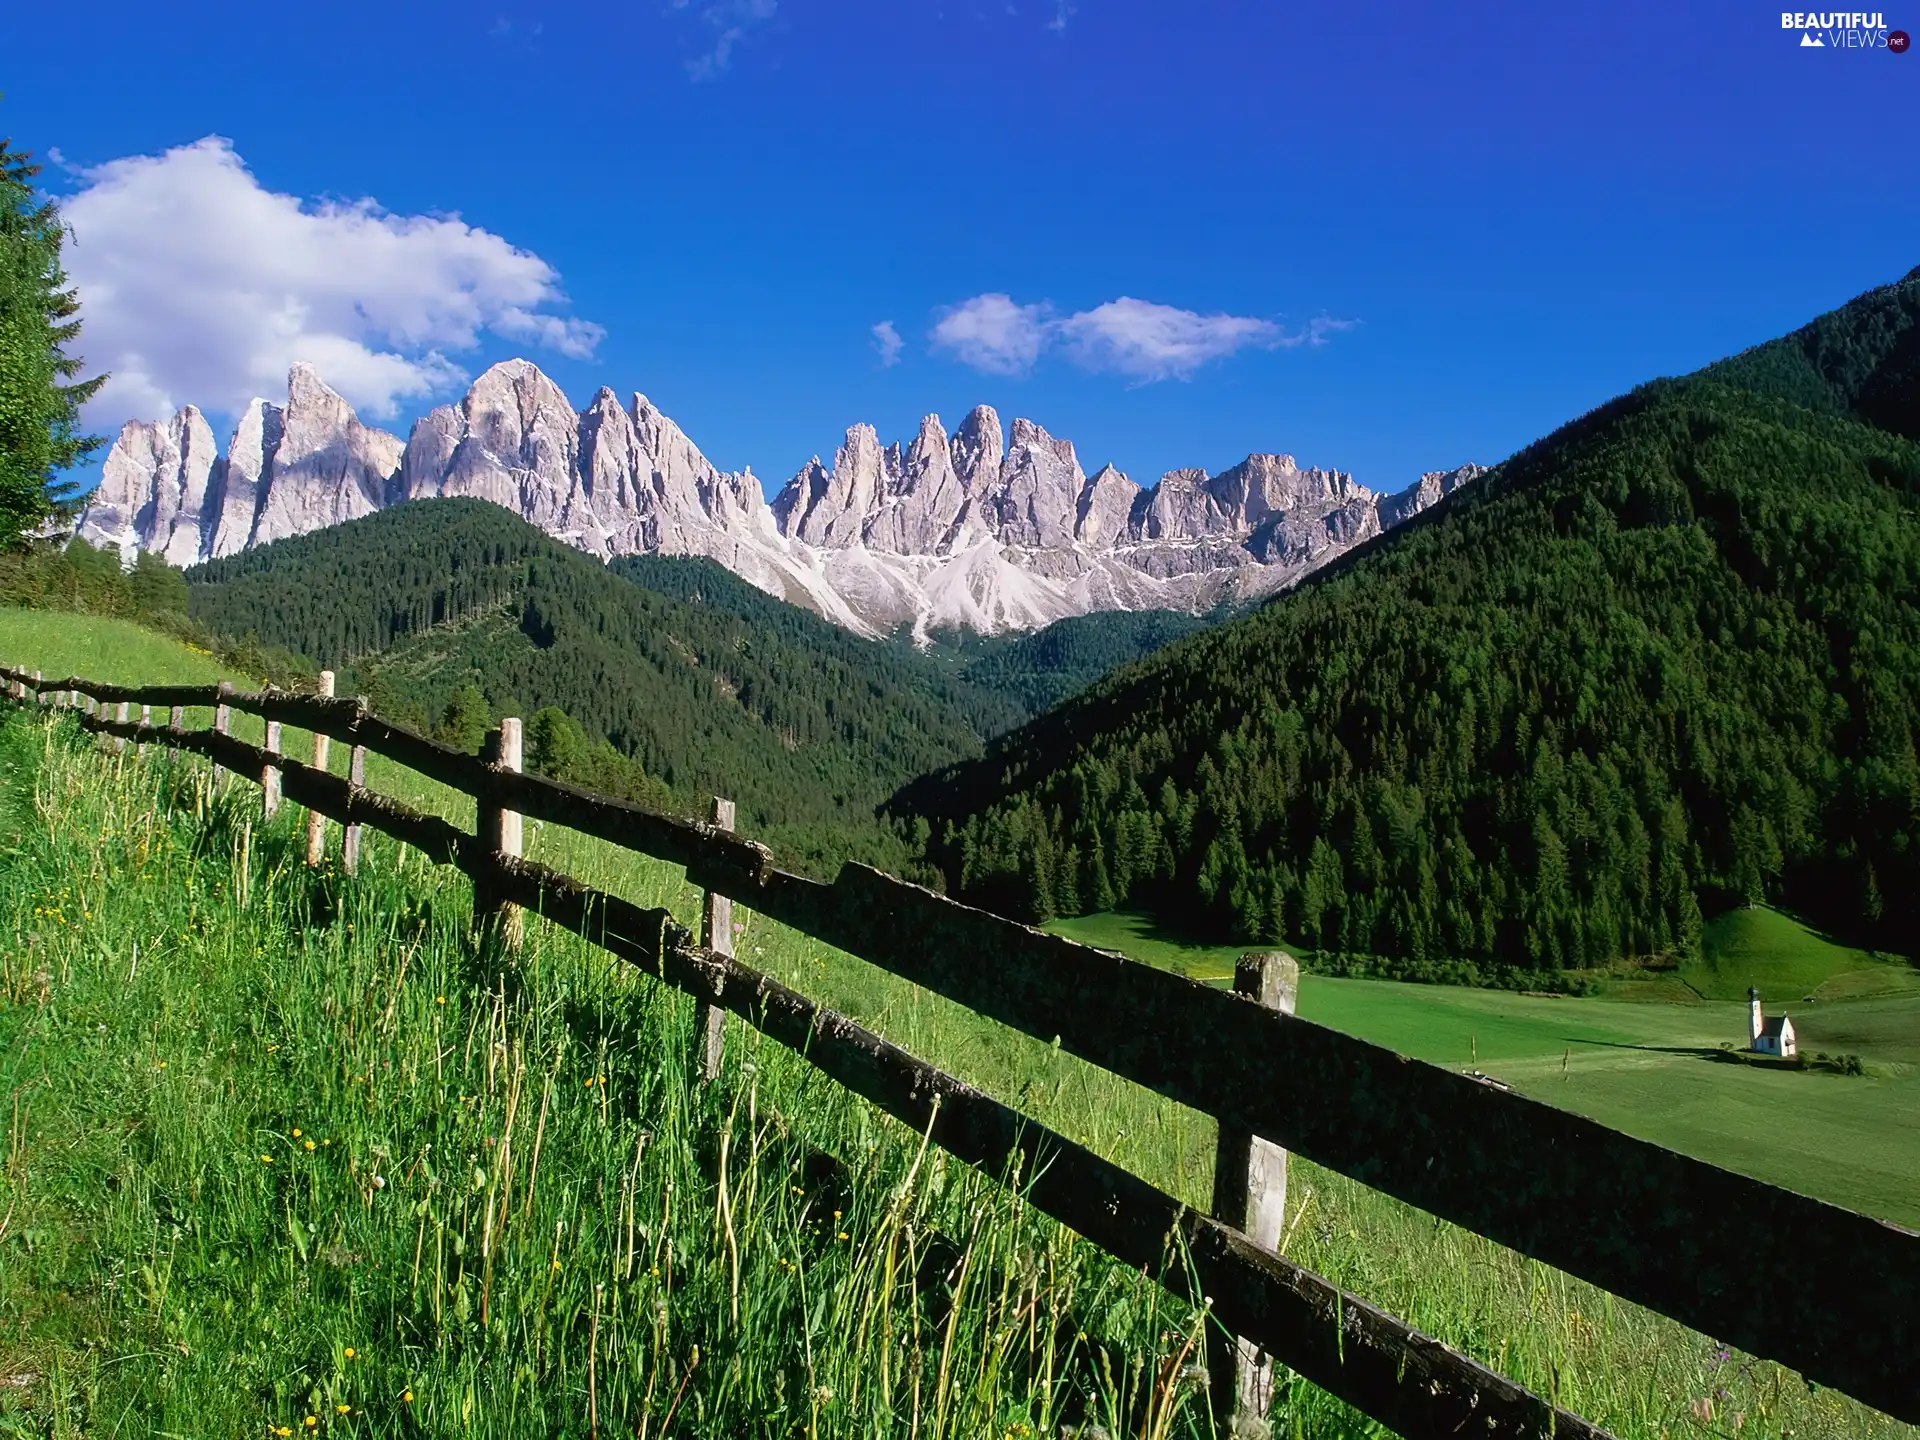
{"x": 1664, "y": 661}
{"x": 448, "y": 613}
{"x": 662, "y": 679}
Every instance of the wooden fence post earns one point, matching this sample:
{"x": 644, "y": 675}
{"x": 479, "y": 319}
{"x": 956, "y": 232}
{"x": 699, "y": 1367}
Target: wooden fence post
{"x": 39, "y": 695}
{"x": 1250, "y": 1194}
{"x": 716, "y": 934}
{"x": 500, "y": 830}
{"x": 316, "y": 822}
{"x": 146, "y": 719}
{"x": 120, "y": 713}
{"x": 222, "y": 722}
{"x": 270, "y": 775}
{"x": 177, "y": 717}
{"x": 356, "y": 777}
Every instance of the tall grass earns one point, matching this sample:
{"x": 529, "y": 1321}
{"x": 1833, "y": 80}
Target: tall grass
{"x": 522, "y": 1218}
{"x": 287, "y": 1153}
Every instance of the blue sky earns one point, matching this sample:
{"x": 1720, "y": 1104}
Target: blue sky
{"x": 1500, "y": 215}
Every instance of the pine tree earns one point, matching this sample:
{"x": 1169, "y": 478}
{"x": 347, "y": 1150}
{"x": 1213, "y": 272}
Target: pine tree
{"x": 463, "y": 724}
{"x": 40, "y": 398}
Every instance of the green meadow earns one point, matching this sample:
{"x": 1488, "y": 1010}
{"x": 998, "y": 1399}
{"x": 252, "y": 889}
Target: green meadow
{"x": 518, "y": 1218}
{"x": 1651, "y": 1069}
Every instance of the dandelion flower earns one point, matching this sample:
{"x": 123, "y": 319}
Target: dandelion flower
{"x": 296, "y": 1132}
{"x": 406, "y": 1397}
{"x": 348, "y": 1352}
{"x": 266, "y": 1159}
{"x": 307, "y": 1143}
{"x": 439, "y": 999}
{"x": 341, "y": 1409}
{"x": 311, "y": 1423}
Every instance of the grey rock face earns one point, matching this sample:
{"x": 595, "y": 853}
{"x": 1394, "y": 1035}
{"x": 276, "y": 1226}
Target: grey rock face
{"x": 1426, "y": 492}
{"x": 256, "y": 439}
{"x": 288, "y": 470}
{"x": 1104, "y": 511}
{"x": 154, "y": 488}
{"x": 1035, "y": 503}
{"x": 327, "y": 467}
{"x": 984, "y": 528}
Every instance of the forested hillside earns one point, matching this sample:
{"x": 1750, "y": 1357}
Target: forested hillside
{"x": 664, "y": 679}
{"x": 444, "y": 608}
{"x": 1040, "y": 669}
{"x": 1665, "y": 660}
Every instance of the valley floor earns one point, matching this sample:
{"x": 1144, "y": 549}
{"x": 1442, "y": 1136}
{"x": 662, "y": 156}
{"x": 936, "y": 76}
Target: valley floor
{"x": 1653, "y": 1069}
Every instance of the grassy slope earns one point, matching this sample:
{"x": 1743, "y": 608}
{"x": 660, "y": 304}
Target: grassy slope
{"x": 118, "y": 652}
{"x": 1635, "y": 1373}
{"x": 1788, "y": 961}
{"x": 307, "y": 1159}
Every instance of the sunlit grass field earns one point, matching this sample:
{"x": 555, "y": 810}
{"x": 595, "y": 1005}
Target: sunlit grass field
{"x": 540, "y": 1155}
{"x": 1756, "y": 946}
{"x": 288, "y": 1152}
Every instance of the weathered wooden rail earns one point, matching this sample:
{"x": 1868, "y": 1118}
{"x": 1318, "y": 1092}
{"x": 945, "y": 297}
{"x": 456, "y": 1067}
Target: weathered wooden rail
{"x": 1672, "y": 1233}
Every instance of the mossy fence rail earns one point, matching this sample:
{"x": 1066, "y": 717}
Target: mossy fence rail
{"x": 1707, "y": 1247}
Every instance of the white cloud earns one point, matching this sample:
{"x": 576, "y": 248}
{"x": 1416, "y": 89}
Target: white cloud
{"x": 1062, "y": 12}
{"x": 887, "y": 341}
{"x": 730, "y": 21}
{"x": 1145, "y": 341}
{"x": 199, "y": 284}
{"x": 992, "y": 333}
{"x": 1136, "y": 338}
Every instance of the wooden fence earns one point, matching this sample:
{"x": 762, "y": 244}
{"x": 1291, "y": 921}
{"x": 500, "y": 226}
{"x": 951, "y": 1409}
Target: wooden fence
{"x": 1707, "y": 1247}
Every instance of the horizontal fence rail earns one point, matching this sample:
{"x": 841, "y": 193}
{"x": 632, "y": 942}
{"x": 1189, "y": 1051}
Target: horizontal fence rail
{"x": 1673, "y": 1233}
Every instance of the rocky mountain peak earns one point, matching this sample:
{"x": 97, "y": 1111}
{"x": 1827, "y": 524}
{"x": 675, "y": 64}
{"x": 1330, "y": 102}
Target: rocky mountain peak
{"x": 984, "y": 527}
{"x": 978, "y": 448}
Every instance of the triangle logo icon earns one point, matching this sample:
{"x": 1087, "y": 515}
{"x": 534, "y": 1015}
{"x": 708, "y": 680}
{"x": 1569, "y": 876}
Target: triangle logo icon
{"x": 1812, "y": 42}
